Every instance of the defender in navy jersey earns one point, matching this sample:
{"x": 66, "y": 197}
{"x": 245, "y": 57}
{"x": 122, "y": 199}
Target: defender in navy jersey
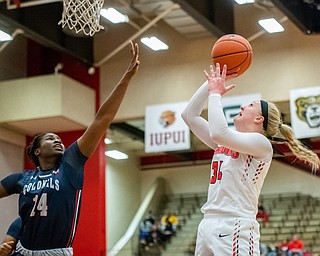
{"x": 48, "y": 198}
{"x": 239, "y": 166}
{"x": 50, "y": 194}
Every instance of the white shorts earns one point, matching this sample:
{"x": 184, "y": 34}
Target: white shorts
{"x": 228, "y": 237}
{"x": 51, "y": 252}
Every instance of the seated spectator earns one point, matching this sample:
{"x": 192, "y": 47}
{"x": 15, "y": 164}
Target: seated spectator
{"x": 164, "y": 218}
{"x": 263, "y": 249}
{"x": 295, "y": 246}
{"x": 283, "y": 247}
{"x": 262, "y": 216}
{"x": 174, "y": 220}
{"x": 144, "y": 231}
{"x": 156, "y": 237}
{"x": 166, "y": 228}
{"x": 150, "y": 218}
{"x": 272, "y": 250}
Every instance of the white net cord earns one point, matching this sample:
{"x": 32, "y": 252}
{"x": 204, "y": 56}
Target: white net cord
{"x": 82, "y": 16}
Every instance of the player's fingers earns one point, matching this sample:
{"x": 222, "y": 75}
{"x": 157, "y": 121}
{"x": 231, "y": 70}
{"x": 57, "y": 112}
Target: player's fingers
{"x": 211, "y": 71}
{"x": 206, "y": 74}
{"x": 5, "y": 249}
{"x": 7, "y": 246}
{"x": 137, "y": 49}
{"x": 131, "y": 47}
{"x": 224, "y": 72}
{"x": 230, "y": 87}
{"x": 217, "y": 70}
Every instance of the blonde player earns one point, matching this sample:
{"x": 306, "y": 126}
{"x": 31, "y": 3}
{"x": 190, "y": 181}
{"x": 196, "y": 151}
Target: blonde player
{"x": 239, "y": 166}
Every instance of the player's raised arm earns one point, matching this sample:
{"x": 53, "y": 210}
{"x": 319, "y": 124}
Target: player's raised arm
{"x": 107, "y": 111}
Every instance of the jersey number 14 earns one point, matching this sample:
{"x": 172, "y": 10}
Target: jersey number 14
{"x": 40, "y": 205}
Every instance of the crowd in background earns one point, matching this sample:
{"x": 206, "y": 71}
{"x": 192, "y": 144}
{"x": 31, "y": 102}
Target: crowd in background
{"x": 154, "y": 235}
{"x": 293, "y": 247}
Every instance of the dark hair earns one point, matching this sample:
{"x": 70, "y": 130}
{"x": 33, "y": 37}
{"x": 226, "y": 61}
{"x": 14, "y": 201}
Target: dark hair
{"x": 32, "y": 147}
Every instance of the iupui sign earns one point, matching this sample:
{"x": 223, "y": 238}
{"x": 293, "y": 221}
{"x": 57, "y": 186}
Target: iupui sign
{"x": 164, "y": 128}
{"x": 305, "y": 112}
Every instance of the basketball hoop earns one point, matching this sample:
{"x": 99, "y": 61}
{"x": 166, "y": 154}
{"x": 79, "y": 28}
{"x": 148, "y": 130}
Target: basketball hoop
{"x": 82, "y": 16}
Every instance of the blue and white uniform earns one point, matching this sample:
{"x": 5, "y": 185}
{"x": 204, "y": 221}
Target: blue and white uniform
{"x": 15, "y": 228}
{"x": 239, "y": 166}
{"x": 49, "y": 203}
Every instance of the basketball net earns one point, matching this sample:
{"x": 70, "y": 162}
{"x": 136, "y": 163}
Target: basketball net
{"x": 82, "y": 16}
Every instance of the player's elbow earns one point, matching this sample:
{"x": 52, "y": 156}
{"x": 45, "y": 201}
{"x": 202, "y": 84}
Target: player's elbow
{"x": 216, "y": 136}
{"x": 184, "y": 117}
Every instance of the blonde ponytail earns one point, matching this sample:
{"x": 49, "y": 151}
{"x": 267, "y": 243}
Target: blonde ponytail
{"x": 298, "y": 149}
{"x": 276, "y": 126}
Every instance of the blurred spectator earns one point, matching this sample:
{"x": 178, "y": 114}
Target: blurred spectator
{"x": 164, "y": 218}
{"x": 283, "y": 247}
{"x": 166, "y": 227}
{"x": 174, "y": 220}
{"x": 295, "y": 246}
{"x": 263, "y": 249}
{"x": 144, "y": 231}
{"x": 262, "y": 215}
{"x": 155, "y": 236}
{"x": 268, "y": 250}
{"x": 272, "y": 250}
{"x": 150, "y": 218}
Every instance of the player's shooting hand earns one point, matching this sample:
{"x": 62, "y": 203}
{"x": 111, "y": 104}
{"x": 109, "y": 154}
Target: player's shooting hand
{"x": 217, "y": 80}
{"x": 6, "y": 248}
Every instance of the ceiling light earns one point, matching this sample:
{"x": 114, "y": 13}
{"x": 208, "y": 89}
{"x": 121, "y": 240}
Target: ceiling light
{"x": 115, "y": 154}
{"x": 4, "y": 36}
{"x": 113, "y": 15}
{"x": 107, "y": 141}
{"x": 244, "y": 1}
{"x": 271, "y": 25}
{"x": 154, "y": 43}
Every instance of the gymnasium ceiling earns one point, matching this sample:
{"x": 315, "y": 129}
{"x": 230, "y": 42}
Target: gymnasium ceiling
{"x": 193, "y": 19}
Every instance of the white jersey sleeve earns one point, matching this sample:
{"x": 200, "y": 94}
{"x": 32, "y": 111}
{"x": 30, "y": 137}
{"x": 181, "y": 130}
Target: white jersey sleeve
{"x": 250, "y": 143}
{"x": 191, "y": 115}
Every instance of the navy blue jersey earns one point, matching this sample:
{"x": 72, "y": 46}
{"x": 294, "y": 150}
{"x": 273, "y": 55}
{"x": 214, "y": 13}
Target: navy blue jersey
{"x": 49, "y": 201}
{"x": 15, "y": 228}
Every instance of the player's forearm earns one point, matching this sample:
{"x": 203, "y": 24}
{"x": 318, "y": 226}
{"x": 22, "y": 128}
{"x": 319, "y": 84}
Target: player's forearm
{"x": 110, "y": 106}
{"x": 195, "y": 104}
{"x": 90, "y": 139}
{"x": 3, "y": 193}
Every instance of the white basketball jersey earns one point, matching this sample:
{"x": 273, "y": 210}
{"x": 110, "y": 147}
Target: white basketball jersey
{"x": 235, "y": 183}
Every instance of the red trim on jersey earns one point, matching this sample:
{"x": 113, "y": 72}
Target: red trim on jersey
{"x": 75, "y": 219}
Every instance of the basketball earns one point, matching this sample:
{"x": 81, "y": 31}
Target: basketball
{"x": 234, "y": 51}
